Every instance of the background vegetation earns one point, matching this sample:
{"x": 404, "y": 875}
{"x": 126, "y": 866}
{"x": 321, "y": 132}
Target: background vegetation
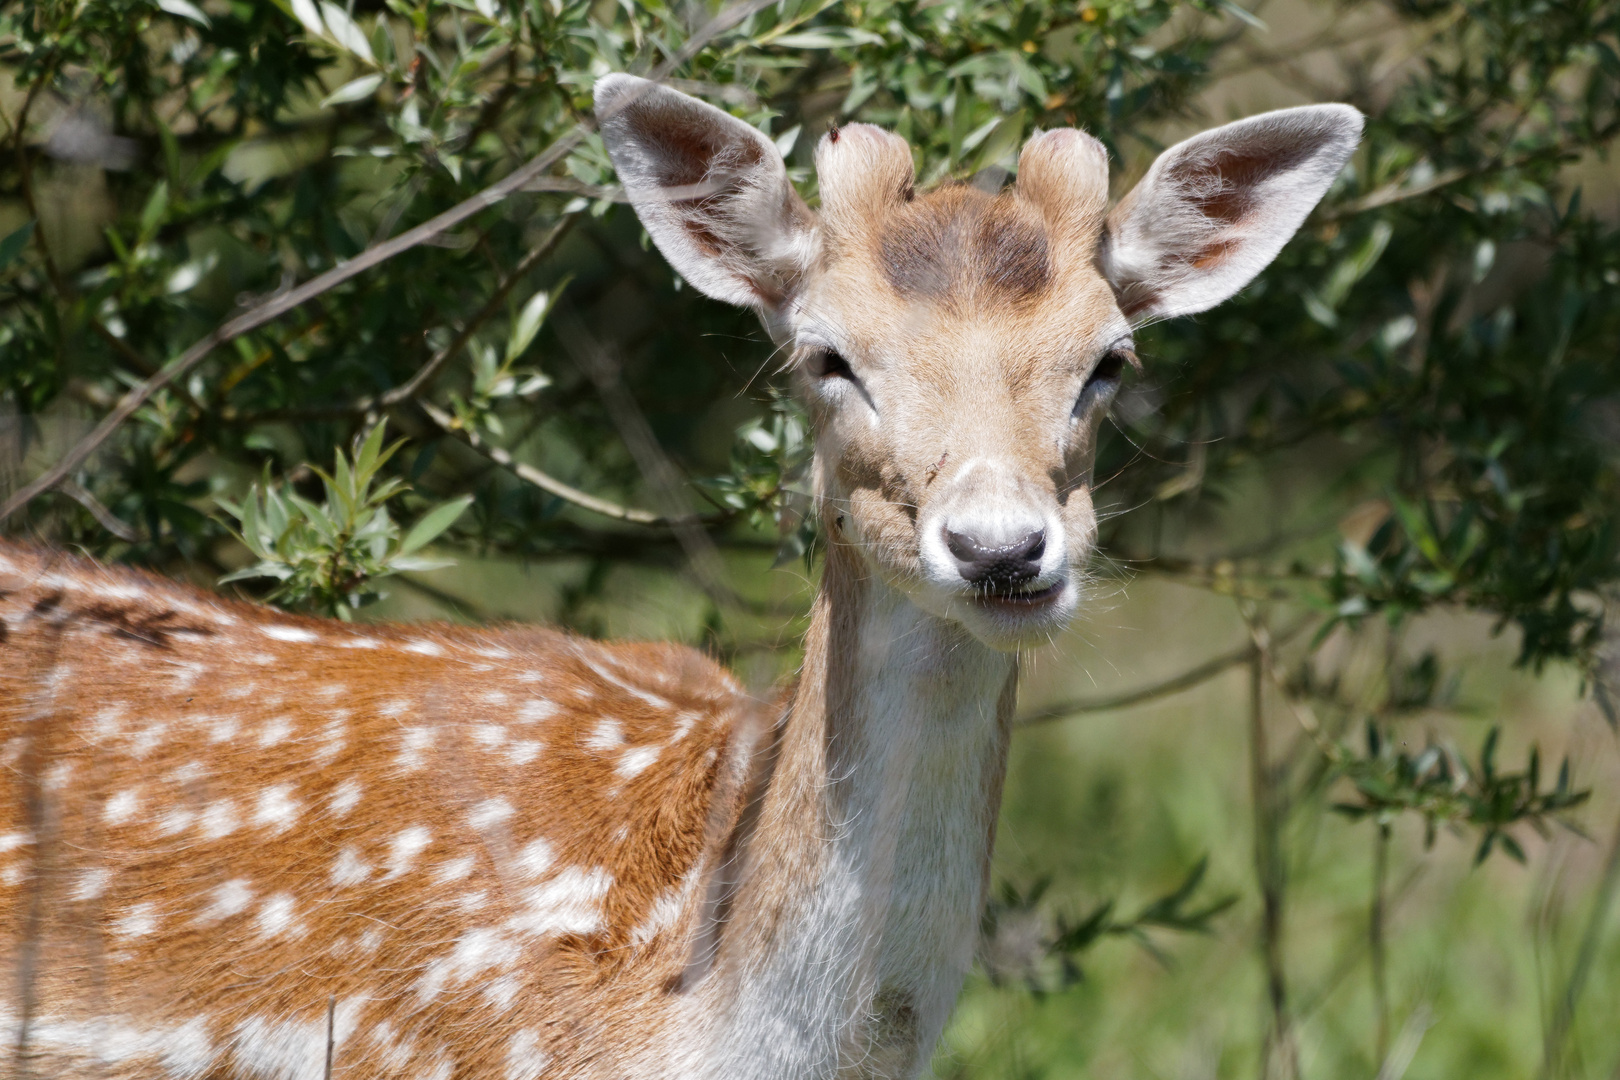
{"x": 1362, "y": 522}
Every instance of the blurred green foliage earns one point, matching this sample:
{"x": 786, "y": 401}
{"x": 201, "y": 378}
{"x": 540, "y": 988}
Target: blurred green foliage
{"x": 1440, "y": 338}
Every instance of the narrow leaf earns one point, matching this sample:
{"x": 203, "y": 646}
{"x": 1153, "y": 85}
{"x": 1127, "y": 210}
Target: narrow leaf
{"x": 14, "y": 242}
{"x": 433, "y": 523}
{"x": 353, "y": 90}
{"x": 185, "y": 11}
{"x": 345, "y": 32}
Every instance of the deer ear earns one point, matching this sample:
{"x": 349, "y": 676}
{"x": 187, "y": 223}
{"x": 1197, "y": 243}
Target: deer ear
{"x": 1213, "y": 211}
{"x": 712, "y": 192}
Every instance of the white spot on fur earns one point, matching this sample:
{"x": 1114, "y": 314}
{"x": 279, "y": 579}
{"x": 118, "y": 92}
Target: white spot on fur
{"x": 501, "y": 993}
{"x": 494, "y": 697}
{"x": 524, "y": 1058}
{"x": 535, "y": 859}
{"x": 425, "y": 648}
{"x": 349, "y": 868}
{"x": 396, "y": 707}
{"x": 455, "y": 869}
{"x": 333, "y": 740}
{"x": 139, "y": 921}
{"x": 570, "y": 903}
{"x": 92, "y": 883}
{"x": 122, "y": 806}
{"x": 489, "y": 735}
{"x": 275, "y": 731}
{"x": 404, "y": 848}
{"x": 607, "y": 735}
{"x": 635, "y": 761}
{"x": 11, "y": 841}
{"x": 344, "y": 797}
{"x": 289, "y": 633}
{"x": 489, "y": 813}
{"x": 359, "y": 643}
{"x": 220, "y": 819}
{"x": 277, "y": 809}
{"x": 147, "y": 738}
{"x": 523, "y": 751}
{"x": 106, "y": 723}
{"x": 272, "y": 1050}
{"x": 535, "y": 709}
{"x": 174, "y": 820}
{"x": 230, "y": 898}
{"x": 413, "y": 741}
{"x": 475, "y": 952}
{"x": 665, "y": 910}
{"x": 224, "y": 728}
{"x": 277, "y": 915}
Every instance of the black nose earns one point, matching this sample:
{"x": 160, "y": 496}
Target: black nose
{"x": 997, "y": 566}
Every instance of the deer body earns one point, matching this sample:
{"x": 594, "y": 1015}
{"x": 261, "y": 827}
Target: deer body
{"x": 234, "y": 841}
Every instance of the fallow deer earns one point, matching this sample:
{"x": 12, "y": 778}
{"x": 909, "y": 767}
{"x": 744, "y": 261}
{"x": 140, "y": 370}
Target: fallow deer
{"x": 237, "y": 843}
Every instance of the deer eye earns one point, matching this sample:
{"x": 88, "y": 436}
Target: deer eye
{"x": 828, "y": 364}
{"x": 1104, "y": 378}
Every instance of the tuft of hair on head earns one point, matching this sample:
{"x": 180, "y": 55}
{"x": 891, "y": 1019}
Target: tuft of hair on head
{"x": 1064, "y": 173}
{"x": 864, "y": 172}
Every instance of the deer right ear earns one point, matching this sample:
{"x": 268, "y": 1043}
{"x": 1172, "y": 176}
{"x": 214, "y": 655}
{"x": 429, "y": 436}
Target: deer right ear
{"x": 712, "y": 192}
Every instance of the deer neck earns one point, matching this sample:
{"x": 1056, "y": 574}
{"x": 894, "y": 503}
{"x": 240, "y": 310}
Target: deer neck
{"x": 867, "y": 868}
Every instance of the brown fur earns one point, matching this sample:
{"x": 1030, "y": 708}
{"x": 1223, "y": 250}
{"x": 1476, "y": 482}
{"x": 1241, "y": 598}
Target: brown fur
{"x": 130, "y": 718}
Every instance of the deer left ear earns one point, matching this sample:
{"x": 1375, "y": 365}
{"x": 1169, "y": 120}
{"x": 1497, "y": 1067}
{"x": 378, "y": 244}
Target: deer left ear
{"x": 712, "y": 192}
{"x": 1214, "y": 211}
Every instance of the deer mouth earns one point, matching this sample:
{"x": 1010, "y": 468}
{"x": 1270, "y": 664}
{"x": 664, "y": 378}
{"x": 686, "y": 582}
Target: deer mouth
{"x": 1021, "y": 595}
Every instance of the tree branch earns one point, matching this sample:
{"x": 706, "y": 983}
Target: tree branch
{"x": 372, "y": 256}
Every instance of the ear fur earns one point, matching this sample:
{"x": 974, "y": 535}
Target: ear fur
{"x": 712, "y": 192}
{"x": 1214, "y": 210}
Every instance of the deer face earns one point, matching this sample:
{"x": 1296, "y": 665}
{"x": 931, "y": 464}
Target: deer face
{"x": 958, "y": 349}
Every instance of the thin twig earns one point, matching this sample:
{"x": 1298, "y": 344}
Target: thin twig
{"x": 104, "y": 517}
{"x": 1186, "y": 680}
{"x": 1280, "y": 1051}
{"x": 664, "y": 480}
{"x": 418, "y": 382}
{"x": 1586, "y": 954}
{"x": 544, "y": 481}
{"x": 1173, "y": 685}
{"x": 331, "y": 1025}
{"x": 373, "y": 256}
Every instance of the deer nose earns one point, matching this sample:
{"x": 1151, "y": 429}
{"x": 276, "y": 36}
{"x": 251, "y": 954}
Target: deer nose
{"x": 997, "y": 566}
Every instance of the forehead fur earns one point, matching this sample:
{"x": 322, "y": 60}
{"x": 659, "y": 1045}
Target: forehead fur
{"x": 958, "y": 241}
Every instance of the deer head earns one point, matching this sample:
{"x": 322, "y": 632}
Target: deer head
{"x": 958, "y": 348}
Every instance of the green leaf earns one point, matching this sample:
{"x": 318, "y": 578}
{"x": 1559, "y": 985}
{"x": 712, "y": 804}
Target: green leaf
{"x": 185, "y": 11}
{"x": 527, "y": 325}
{"x": 433, "y": 523}
{"x": 305, "y": 12}
{"x": 157, "y": 204}
{"x": 346, "y": 32}
{"x": 14, "y": 242}
{"x": 353, "y": 90}
{"x": 841, "y": 37}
